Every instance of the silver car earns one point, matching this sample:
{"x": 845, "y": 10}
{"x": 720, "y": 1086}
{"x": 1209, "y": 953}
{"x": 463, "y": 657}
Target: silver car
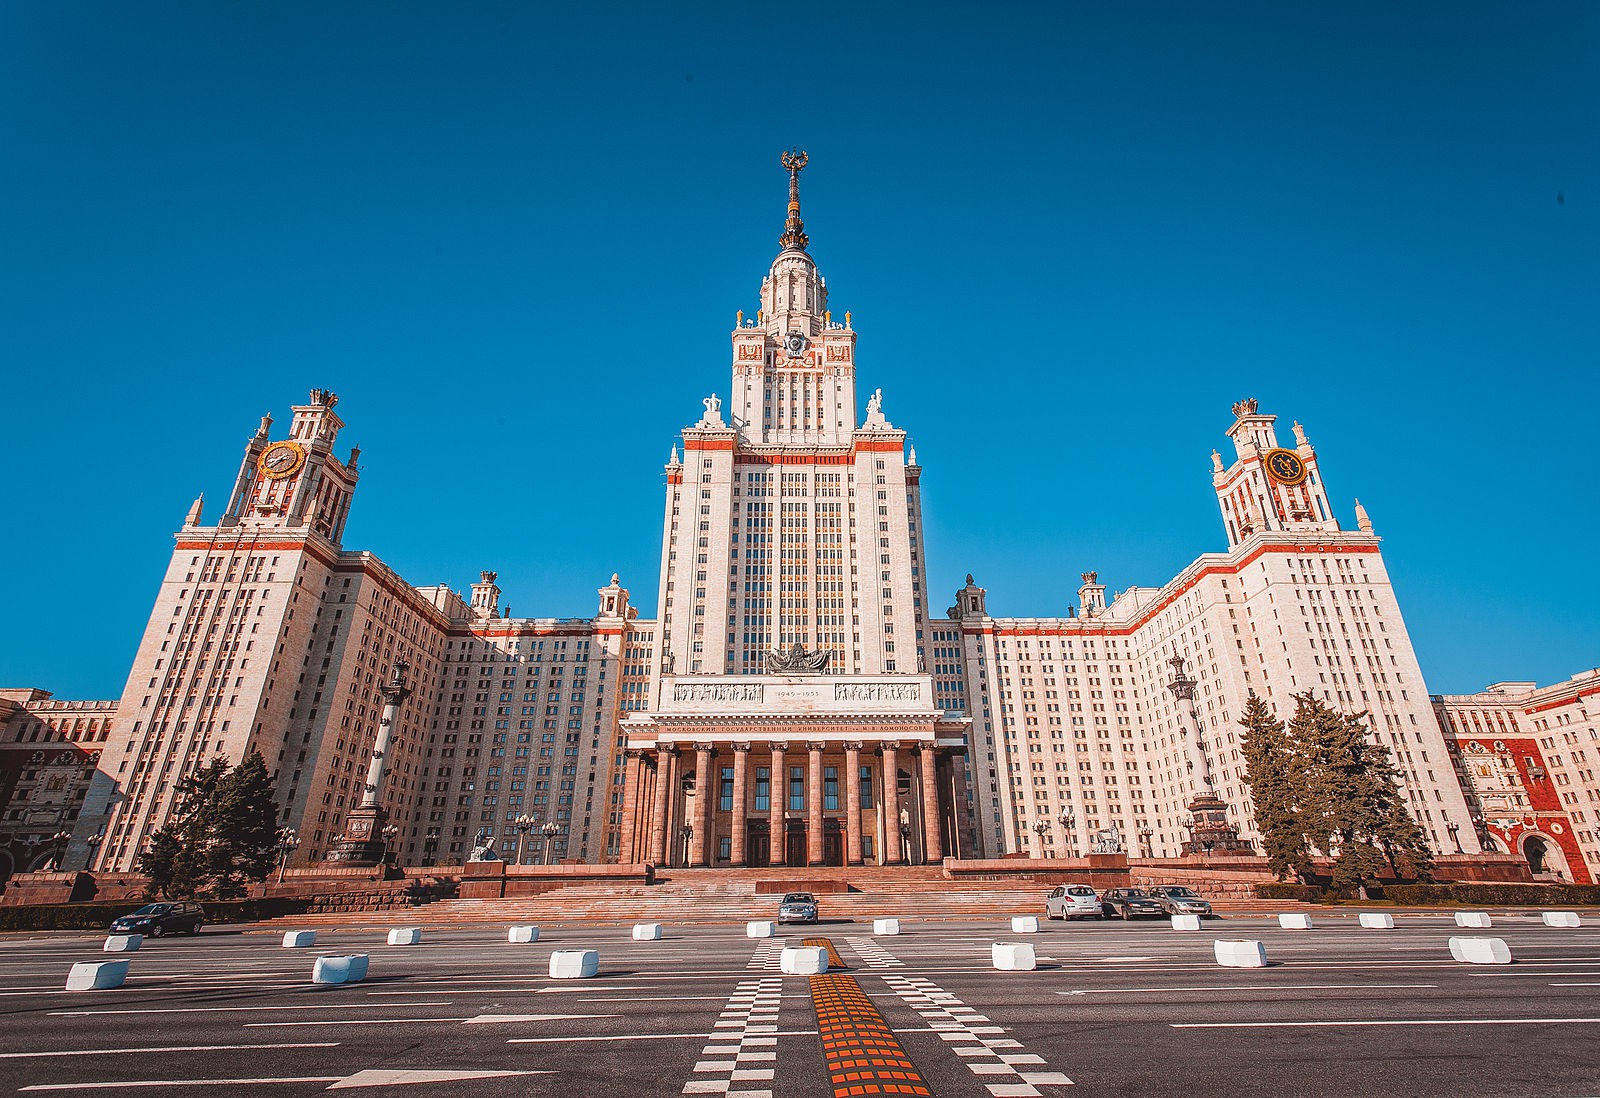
{"x": 1072, "y": 902}
{"x": 797, "y": 907}
{"x": 1178, "y": 900}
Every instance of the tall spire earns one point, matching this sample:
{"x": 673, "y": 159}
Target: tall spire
{"x": 794, "y": 230}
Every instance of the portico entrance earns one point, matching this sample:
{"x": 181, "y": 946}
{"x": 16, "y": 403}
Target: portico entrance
{"x": 812, "y": 759}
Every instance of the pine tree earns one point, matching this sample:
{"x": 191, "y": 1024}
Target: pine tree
{"x": 242, "y": 828}
{"x": 1353, "y": 807}
{"x": 223, "y": 832}
{"x": 1269, "y": 755}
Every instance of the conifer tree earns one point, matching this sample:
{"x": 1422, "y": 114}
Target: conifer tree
{"x": 1352, "y": 806}
{"x": 223, "y": 832}
{"x": 1269, "y": 755}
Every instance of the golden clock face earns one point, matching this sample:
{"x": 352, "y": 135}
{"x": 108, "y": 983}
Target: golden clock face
{"x": 1285, "y": 466}
{"x": 282, "y": 459}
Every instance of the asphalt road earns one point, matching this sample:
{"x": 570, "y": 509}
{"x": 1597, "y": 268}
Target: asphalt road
{"x": 1114, "y": 1008}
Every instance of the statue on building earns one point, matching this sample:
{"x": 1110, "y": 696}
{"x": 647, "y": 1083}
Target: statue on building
{"x": 483, "y": 847}
{"x": 797, "y": 661}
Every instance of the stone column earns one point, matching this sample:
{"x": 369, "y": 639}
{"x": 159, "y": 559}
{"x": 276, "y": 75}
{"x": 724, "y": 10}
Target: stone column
{"x": 932, "y": 832}
{"x": 394, "y": 694}
{"x": 633, "y": 784}
{"x": 703, "y": 794}
{"x": 891, "y": 802}
{"x": 779, "y": 790}
{"x": 741, "y": 763}
{"x": 852, "y": 801}
{"x": 814, "y": 849}
{"x": 657, "y": 854}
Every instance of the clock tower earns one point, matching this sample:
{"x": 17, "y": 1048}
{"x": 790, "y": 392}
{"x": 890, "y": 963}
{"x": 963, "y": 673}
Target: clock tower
{"x": 1269, "y": 487}
{"x": 296, "y": 483}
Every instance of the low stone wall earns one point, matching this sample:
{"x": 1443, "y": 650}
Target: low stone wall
{"x": 497, "y": 880}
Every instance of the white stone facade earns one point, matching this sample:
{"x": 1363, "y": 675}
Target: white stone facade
{"x": 792, "y": 517}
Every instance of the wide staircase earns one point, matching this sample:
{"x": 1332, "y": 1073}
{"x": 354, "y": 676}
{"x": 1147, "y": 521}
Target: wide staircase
{"x": 733, "y": 896}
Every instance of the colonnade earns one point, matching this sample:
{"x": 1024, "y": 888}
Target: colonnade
{"x": 656, "y": 783}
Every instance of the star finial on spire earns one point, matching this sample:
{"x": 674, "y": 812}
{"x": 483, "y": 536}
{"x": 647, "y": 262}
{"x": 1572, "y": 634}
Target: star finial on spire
{"x": 794, "y": 230}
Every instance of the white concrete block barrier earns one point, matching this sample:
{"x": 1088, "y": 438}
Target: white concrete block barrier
{"x": 130, "y": 943}
{"x": 334, "y": 969}
{"x": 759, "y": 929}
{"x": 1013, "y": 956}
{"x": 647, "y": 932}
{"x": 1478, "y": 920}
{"x": 1376, "y": 920}
{"x": 574, "y": 964}
{"x": 1186, "y": 922}
{"x": 1294, "y": 921}
{"x": 886, "y": 926}
{"x": 299, "y": 939}
{"x": 1480, "y": 951}
{"x": 522, "y": 934}
{"x": 1024, "y": 924}
{"x": 803, "y": 960}
{"x": 97, "y": 975}
{"x": 1240, "y": 954}
{"x": 1557, "y": 918}
{"x": 405, "y": 936}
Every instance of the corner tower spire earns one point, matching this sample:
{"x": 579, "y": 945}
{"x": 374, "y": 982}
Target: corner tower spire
{"x": 794, "y": 230}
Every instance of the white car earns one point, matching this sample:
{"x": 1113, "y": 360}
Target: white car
{"x": 1072, "y": 902}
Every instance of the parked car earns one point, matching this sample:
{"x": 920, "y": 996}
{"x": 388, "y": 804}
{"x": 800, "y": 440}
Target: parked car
{"x": 1178, "y": 900}
{"x": 797, "y": 907}
{"x": 1130, "y": 903}
{"x": 1072, "y": 902}
{"x": 154, "y": 920}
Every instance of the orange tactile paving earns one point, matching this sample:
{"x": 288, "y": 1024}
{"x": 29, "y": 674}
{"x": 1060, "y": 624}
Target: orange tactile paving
{"x": 862, "y": 1054}
{"x": 834, "y": 961}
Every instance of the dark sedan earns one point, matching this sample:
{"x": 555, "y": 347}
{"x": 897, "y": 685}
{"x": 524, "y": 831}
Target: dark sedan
{"x": 1130, "y": 903}
{"x": 154, "y": 920}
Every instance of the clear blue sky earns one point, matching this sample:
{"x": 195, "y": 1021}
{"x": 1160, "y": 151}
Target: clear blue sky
{"x": 513, "y": 237}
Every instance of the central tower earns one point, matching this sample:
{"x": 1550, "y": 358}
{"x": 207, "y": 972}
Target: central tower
{"x": 788, "y": 526}
{"x": 787, "y": 523}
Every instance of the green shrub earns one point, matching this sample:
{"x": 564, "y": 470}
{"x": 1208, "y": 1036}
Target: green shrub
{"x": 99, "y": 916}
{"x": 1281, "y": 890}
{"x": 1526, "y": 895}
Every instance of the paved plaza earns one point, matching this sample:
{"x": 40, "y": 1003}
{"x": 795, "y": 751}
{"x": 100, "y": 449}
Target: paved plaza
{"x": 1113, "y": 1008}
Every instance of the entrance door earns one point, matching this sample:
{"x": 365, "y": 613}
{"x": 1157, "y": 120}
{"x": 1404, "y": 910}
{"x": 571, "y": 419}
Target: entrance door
{"x": 758, "y": 847}
{"x": 794, "y": 847}
{"x": 832, "y": 846}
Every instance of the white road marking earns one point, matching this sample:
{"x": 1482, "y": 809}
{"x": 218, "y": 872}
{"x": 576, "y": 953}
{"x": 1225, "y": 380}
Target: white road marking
{"x": 180, "y": 1083}
{"x": 489, "y": 1019}
{"x": 1241, "y": 987}
{"x": 161, "y": 1048}
{"x": 587, "y": 987}
{"x": 1390, "y": 1022}
{"x": 373, "y": 1077}
{"x": 350, "y": 1022}
{"x": 237, "y": 1009}
{"x": 652, "y": 1037}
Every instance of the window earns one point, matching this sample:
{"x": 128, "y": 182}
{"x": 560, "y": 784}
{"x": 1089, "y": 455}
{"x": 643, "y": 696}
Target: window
{"x": 797, "y": 789}
{"x": 830, "y": 788}
{"x": 725, "y": 792}
{"x": 763, "y": 789}
{"x": 866, "y": 787}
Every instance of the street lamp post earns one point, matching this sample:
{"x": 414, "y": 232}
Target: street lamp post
{"x": 288, "y": 839}
{"x": 524, "y": 823}
{"x": 390, "y": 834}
{"x": 685, "y": 833}
{"x": 430, "y": 846}
{"x": 1066, "y": 820}
{"x": 905, "y": 836}
{"x": 60, "y": 840}
{"x": 551, "y": 829}
{"x": 1144, "y": 842}
{"x": 1040, "y": 828}
{"x": 94, "y": 842}
{"x": 1455, "y": 835}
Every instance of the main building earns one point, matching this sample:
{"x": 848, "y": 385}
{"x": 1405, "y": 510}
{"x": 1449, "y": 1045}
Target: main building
{"x": 795, "y": 699}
